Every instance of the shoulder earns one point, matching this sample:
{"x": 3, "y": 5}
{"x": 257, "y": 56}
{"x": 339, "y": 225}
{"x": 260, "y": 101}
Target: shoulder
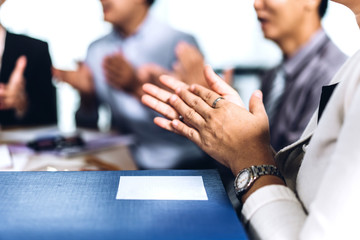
{"x": 166, "y": 32}
{"x": 37, "y": 51}
{"x": 179, "y": 35}
{"x": 350, "y": 71}
{"x": 326, "y": 63}
{"x": 25, "y": 41}
{"x": 102, "y": 40}
{"x": 101, "y": 46}
{"x": 330, "y": 58}
{"x": 331, "y": 53}
{"x": 19, "y": 44}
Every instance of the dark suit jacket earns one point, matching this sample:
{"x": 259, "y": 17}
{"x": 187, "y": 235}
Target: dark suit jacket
{"x": 40, "y": 90}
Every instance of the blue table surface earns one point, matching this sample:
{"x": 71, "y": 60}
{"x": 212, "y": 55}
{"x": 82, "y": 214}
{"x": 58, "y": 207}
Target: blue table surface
{"x": 83, "y": 205}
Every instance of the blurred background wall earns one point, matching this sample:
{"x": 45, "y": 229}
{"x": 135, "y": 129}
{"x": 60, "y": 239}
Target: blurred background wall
{"x": 227, "y": 31}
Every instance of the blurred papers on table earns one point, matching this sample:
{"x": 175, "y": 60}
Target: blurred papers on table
{"x": 47, "y": 149}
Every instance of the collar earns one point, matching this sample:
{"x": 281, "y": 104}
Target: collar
{"x": 148, "y": 24}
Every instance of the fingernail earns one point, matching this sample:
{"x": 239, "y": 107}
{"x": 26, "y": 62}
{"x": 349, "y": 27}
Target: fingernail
{"x": 165, "y": 78}
{"x": 178, "y": 90}
{"x": 258, "y": 94}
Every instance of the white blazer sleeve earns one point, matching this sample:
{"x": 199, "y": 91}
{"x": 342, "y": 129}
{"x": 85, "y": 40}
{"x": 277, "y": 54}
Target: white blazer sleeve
{"x": 327, "y": 203}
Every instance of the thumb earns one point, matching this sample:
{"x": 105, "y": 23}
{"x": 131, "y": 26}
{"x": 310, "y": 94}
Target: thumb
{"x": 216, "y": 83}
{"x": 21, "y": 63}
{"x": 256, "y": 105}
{"x": 18, "y": 72}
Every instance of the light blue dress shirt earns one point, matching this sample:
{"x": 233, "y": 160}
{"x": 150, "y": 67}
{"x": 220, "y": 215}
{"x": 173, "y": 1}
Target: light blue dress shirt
{"x": 154, "y": 42}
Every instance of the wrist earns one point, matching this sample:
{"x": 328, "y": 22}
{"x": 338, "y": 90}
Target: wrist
{"x": 262, "y": 182}
{"x": 257, "y": 158}
{"x": 21, "y": 105}
{"x": 250, "y": 179}
{"x": 133, "y": 85}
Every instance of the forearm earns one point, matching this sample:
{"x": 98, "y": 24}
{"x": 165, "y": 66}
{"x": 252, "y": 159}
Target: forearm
{"x": 263, "y": 155}
{"x": 81, "y": 80}
{"x": 21, "y": 106}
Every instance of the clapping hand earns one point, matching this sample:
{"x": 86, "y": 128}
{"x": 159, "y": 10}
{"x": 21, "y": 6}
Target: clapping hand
{"x": 222, "y": 127}
{"x": 13, "y": 94}
{"x": 190, "y": 66}
{"x": 120, "y": 74}
{"x": 157, "y": 98}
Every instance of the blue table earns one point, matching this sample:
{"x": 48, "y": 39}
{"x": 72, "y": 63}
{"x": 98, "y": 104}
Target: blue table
{"x": 83, "y": 205}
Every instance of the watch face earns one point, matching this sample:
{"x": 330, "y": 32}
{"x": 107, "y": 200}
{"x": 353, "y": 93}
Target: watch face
{"x": 243, "y": 179}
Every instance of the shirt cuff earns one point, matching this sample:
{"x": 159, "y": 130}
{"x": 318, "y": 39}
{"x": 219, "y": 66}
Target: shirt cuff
{"x": 264, "y": 196}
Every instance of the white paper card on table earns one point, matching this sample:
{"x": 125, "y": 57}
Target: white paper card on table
{"x": 161, "y": 188}
{"x": 5, "y": 157}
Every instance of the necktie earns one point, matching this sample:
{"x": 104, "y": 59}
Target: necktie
{"x": 275, "y": 94}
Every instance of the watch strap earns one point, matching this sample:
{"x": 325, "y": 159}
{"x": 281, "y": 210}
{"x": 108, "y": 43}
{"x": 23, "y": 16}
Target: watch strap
{"x": 256, "y": 172}
{"x": 261, "y": 170}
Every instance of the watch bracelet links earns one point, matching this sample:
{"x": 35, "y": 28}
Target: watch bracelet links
{"x": 261, "y": 170}
{"x": 256, "y": 172}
